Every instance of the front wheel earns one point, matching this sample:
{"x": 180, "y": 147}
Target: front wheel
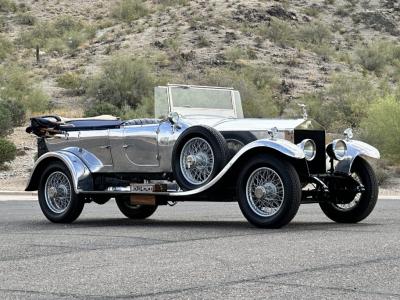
{"x": 57, "y": 198}
{"x": 363, "y": 203}
{"x": 137, "y": 212}
{"x": 269, "y": 192}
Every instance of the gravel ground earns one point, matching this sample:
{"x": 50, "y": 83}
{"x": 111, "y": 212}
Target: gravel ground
{"x": 197, "y": 251}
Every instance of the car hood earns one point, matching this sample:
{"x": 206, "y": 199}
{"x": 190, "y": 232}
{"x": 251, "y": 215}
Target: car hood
{"x": 254, "y": 124}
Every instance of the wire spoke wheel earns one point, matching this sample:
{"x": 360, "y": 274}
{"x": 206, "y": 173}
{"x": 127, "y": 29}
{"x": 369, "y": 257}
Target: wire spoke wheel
{"x": 57, "y": 192}
{"x": 197, "y": 161}
{"x": 265, "y": 192}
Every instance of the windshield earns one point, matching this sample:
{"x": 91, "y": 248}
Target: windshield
{"x": 195, "y": 101}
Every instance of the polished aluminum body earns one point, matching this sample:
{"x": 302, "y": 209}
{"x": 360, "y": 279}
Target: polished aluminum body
{"x": 146, "y": 147}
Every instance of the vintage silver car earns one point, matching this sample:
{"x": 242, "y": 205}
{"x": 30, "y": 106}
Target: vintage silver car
{"x": 201, "y": 148}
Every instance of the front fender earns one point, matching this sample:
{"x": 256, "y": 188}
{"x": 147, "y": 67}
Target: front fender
{"x": 354, "y": 149}
{"x": 81, "y": 176}
{"x": 283, "y": 146}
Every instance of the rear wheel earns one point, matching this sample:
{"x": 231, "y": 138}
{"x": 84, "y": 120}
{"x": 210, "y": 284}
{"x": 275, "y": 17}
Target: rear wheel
{"x": 57, "y": 198}
{"x": 363, "y": 203}
{"x": 269, "y": 192}
{"x": 131, "y": 211}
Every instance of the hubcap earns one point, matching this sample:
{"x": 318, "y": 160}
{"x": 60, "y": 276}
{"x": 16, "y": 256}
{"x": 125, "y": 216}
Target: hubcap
{"x": 57, "y": 192}
{"x": 265, "y": 192}
{"x": 197, "y": 161}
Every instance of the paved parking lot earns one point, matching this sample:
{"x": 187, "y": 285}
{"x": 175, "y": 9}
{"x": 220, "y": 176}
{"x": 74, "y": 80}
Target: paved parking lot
{"x": 197, "y": 251}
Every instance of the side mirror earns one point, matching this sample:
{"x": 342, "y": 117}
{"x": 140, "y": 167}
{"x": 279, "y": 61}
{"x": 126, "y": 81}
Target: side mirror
{"x": 173, "y": 117}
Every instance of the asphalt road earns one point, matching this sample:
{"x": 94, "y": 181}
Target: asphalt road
{"x": 197, "y": 251}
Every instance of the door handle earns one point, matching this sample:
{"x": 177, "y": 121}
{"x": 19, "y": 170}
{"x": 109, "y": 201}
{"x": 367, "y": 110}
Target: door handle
{"x": 105, "y": 147}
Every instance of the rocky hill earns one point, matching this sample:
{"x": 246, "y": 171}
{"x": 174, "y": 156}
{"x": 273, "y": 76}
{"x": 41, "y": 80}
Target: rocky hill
{"x": 277, "y": 53}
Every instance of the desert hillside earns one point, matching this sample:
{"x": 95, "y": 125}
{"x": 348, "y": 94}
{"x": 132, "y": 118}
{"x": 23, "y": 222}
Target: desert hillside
{"x": 341, "y": 58}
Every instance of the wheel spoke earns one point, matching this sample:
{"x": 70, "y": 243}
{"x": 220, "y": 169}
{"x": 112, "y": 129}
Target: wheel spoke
{"x": 200, "y": 154}
{"x": 57, "y": 192}
{"x": 265, "y": 192}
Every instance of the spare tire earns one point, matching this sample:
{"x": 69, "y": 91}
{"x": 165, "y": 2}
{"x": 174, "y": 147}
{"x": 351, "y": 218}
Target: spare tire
{"x": 198, "y": 156}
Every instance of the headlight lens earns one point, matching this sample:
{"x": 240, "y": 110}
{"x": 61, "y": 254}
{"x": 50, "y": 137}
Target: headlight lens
{"x": 339, "y": 149}
{"x": 309, "y": 149}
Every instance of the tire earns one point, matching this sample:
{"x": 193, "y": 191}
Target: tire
{"x": 285, "y": 182}
{"x": 236, "y": 140}
{"x": 193, "y": 168}
{"x": 136, "y": 212}
{"x": 366, "y": 202}
{"x": 56, "y": 182}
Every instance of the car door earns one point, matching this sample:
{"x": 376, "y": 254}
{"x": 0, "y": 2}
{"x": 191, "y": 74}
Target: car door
{"x": 98, "y": 144}
{"x": 140, "y": 147}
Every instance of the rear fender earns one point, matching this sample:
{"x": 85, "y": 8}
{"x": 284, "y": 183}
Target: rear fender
{"x": 81, "y": 177}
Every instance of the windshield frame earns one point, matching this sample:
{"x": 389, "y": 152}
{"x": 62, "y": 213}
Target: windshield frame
{"x": 230, "y": 113}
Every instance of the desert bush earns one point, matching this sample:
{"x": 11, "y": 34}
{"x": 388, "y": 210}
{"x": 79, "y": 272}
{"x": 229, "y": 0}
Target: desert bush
{"x": 8, "y": 151}
{"x": 123, "y": 82}
{"x": 314, "y": 33}
{"x": 7, "y": 6}
{"x": 343, "y": 104}
{"x": 130, "y": 10}
{"x": 102, "y": 108}
{"x": 65, "y": 33}
{"x": 381, "y": 127}
{"x": 144, "y": 110}
{"x": 71, "y": 81}
{"x": 6, "y": 126}
{"x": 6, "y": 48}
{"x": 26, "y": 19}
{"x": 17, "y": 111}
{"x": 257, "y": 95}
{"x": 18, "y": 85}
{"x": 279, "y": 32}
{"x": 377, "y": 55}
{"x": 372, "y": 57}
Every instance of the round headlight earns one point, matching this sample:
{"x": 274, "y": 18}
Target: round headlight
{"x": 309, "y": 149}
{"x": 339, "y": 149}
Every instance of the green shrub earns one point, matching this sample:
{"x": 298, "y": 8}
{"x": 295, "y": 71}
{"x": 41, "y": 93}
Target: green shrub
{"x": 71, "y": 81}
{"x": 314, "y": 33}
{"x": 123, "y": 82}
{"x": 257, "y": 95}
{"x": 376, "y": 55}
{"x": 6, "y": 125}
{"x": 17, "y": 111}
{"x": 371, "y": 57}
{"x": 61, "y": 35}
{"x": 279, "y": 32}
{"x": 6, "y": 48}
{"x": 26, "y": 19}
{"x": 343, "y": 104}
{"x": 102, "y": 108}
{"x": 17, "y": 85}
{"x": 7, "y": 6}
{"x": 381, "y": 127}
{"x": 8, "y": 151}
{"x": 130, "y": 10}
